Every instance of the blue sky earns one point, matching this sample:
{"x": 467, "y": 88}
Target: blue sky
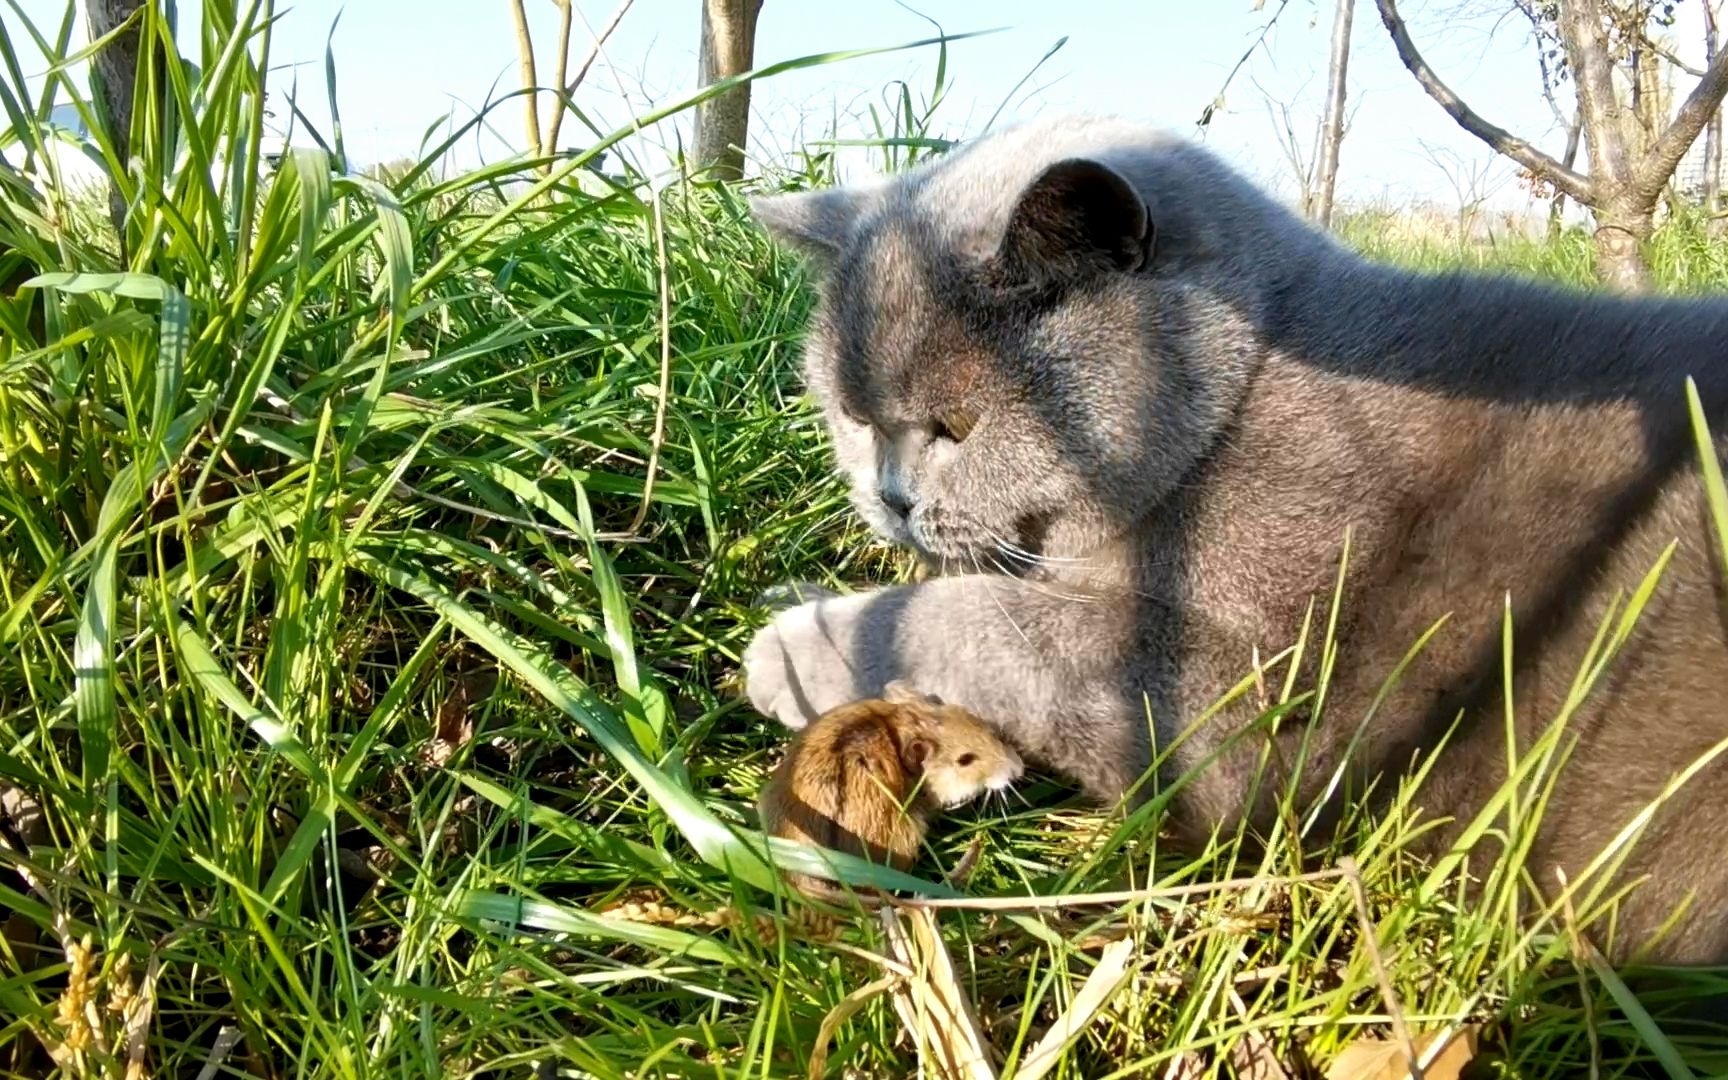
{"x": 404, "y": 63}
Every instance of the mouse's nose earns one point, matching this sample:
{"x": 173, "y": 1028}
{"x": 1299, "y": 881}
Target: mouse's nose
{"x": 895, "y": 501}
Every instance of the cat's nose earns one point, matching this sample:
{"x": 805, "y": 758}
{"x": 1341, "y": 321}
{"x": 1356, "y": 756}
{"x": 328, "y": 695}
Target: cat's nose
{"x": 895, "y": 501}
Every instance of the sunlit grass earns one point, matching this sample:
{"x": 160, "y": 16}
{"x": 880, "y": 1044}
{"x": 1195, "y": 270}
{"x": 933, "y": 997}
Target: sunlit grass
{"x": 366, "y": 654}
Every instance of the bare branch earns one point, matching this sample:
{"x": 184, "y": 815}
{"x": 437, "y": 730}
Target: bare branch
{"x": 530, "y": 79}
{"x": 1701, "y": 104}
{"x": 1573, "y": 183}
{"x": 599, "y": 44}
{"x": 1713, "y": 130}
{"x": 566, "y": 98}
{"x": 1538, "y": 32}
{"x": 1332, "y": 121}
{"x": 1669, "y": 55}
{"x": 1300, "y": 162}
{"x": 1205, "y": 120}
{"x": 563, "y": 69}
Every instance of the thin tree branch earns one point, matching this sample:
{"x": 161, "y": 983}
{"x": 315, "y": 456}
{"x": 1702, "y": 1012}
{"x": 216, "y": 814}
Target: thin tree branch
{"x": 1712, "y": 130}
{"x": 599, "y": 43}
{"x": 1664, "y": 156}
{"x": 1539, "y": 32}
{"x": 565, "y": 16}
{"x": 1568, "y": 180}
{"x": 1668, "y": 54}
{"x": 1332, "y": 123}
{"x": 1574, "y": 134}
{"x": 569, "y": 95}
{"x": 530, "y": 77}
{"x": 1205, "y": 120}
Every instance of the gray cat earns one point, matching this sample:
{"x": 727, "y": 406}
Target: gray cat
{"x": 1128, "y": 406}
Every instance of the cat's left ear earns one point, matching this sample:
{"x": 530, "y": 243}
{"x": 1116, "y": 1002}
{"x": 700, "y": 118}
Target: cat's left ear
{"x": 1077, "y": 219}
{"x": 815, "y": 222}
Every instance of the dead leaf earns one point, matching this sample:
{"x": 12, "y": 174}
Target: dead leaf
{"x": 456, "y": 717}
{"x": 1107, "y": 978}
{"x": 962, "y": 871}
{"x": 951, "y": 1045}
{"x": 1383, "y": 1059}
{"x": 1254, "y": 1058}
{"x": 838, "y": 1015}
{"x": 1188, "y": 1065}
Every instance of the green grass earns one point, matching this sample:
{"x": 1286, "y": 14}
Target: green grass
{"x": 364, "y": 647}
{"x": 1683, "y": 256}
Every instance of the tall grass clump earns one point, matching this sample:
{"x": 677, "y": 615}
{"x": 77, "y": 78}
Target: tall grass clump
{"x": 375, "y": 555}
{"x": 1685, "y": 255}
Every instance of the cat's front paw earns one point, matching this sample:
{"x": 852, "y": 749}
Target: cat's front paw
{"x": 797, "y": 667}
{"x": 792, "y": 593}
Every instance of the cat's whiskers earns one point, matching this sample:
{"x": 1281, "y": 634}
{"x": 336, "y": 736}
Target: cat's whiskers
{"x": 1035, "y": 558}
{"x": 1042, "y": 589}
{"x": 991, "y": 589}
{"x": 1019, "y": 555}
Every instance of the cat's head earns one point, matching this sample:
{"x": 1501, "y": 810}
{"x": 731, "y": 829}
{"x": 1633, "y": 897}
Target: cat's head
{"x": 1002, "y": 356}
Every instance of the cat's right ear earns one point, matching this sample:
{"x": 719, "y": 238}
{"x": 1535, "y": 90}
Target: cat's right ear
{"x": 1078, "y": 218}
{"x": 814, "y": 222}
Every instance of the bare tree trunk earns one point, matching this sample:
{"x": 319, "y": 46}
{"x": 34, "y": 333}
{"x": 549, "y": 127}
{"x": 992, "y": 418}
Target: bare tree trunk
{"x": 114, "y": 72}
{"x": 723, "y": 122}
{"x": 1557, "y": 208}
{"x": 1623, "y": 227}
{"x": 1586, "y": 41}
{"x": 1332, "y": 126}
{"x": 1624, "y": 219}
{"x": 530, "y": 76}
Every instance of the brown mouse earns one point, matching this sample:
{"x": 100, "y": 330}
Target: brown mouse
{"x": 866, "y": 777}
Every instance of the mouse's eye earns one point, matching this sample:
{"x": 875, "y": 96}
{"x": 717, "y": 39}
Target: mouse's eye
{"x": 966, "y": 759}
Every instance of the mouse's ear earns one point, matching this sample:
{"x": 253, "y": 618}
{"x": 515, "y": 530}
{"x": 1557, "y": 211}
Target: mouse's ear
{"x": 900, "y": 692}
{"x": 916, "y": 751}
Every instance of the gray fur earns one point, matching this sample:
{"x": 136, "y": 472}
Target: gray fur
{"x": 1176, "y": 416}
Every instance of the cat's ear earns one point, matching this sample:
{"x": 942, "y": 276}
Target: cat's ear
{"x": 1078, "y": 218}
{"x": 814, "y": 222}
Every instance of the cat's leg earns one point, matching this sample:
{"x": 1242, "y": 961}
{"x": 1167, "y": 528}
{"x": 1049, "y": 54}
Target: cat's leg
{"x": 792, "y": 593}
{"x": 1046, "y": 671}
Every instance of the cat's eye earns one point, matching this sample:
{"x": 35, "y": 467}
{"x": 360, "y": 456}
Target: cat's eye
{"x": 966, "y": 759}
{"x": 955, "y": 424}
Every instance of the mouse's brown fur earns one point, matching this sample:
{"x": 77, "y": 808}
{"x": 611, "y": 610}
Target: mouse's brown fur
{"x": 866, "y": 777}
